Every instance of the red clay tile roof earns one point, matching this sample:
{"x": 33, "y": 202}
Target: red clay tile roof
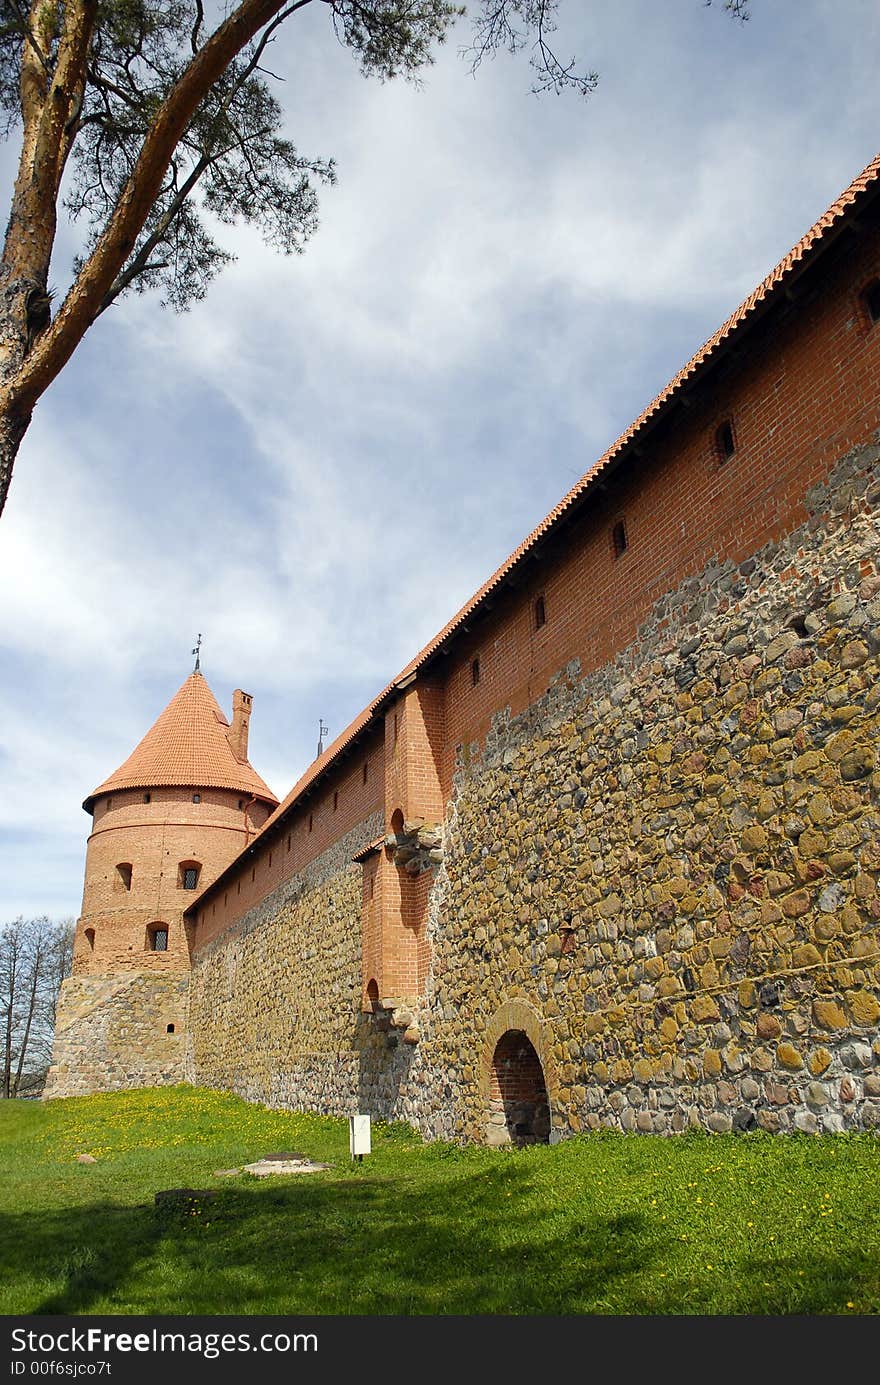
{"x": 185, "y": 747}
{"x": 783, "y": 274}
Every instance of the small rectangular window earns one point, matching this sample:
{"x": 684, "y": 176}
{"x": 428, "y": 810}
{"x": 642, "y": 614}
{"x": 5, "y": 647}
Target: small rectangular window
{"x": 197, "y": 798}
{"x": 147, "y": 797}
{"x": 619, "y": 540}
{"x": 159, "y": 938}
{"x": 475, "y": 672}
{"x": 190, "y": 877}
{"x": 123, "y": 870}
{"x": 311, "y": 821}
{"x": 540, "y": 613}
{"x": 365, "y": 771}
{"x": 335, "y": 799}
{"x": 725, "y": 443}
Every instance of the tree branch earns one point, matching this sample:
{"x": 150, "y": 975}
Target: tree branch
{"x": 139, "y": 264}
{"x": 83, "y": 303}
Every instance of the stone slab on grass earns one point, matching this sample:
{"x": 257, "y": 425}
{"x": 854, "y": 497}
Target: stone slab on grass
{"x": 272, "y": 1164}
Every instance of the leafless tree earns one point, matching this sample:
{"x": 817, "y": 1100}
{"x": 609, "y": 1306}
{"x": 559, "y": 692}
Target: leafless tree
{"x": 35, "y": 957}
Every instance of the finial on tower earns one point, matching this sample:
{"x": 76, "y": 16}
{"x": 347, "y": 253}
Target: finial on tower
{"x": 322, "y": 731}
{"x": 195, "y": 651}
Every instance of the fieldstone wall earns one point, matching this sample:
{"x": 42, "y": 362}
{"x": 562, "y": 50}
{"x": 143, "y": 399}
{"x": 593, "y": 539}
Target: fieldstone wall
{"x": 276, "y": 999}
{"x": 112, "y": 1032}
{"x": 673, "y": 863}
{"x": 664, "y": 874}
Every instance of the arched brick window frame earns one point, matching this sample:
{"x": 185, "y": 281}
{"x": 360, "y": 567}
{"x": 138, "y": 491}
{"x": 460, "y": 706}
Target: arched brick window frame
{"x": 157, "y": 936}
{"x": 519, "y": 1015}
{"x": 188, "y": 874}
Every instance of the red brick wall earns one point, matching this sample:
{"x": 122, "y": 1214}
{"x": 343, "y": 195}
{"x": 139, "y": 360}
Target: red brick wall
{"x": 414, "y": 746}
{"x": 337, "y": 804}
{"x": 802, "y": 393}
{"x": 154, "y": 838}
{"x": 516, "y": 1073}
{"x": 799, "y": 400}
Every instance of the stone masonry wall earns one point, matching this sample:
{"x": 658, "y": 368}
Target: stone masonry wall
{"x": 275, "y": 1011}
{"x": 665, "y": 873}
{"x": 112, "y": 1033}
{"x": 673, "y": 863}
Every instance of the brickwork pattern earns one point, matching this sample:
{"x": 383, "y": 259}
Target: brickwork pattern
{"x": 154, "y": 840}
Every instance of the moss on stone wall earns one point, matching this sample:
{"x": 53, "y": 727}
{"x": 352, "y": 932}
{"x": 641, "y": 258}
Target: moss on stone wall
{"x": 275, "y": 1000}
{"x": 667, "y": 870}
{"x": 675, "y": 861}
{"x": 112, "y": 1032}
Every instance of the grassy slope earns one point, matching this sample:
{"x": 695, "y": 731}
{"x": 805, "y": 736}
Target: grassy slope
{"x": 695, "y": 1224}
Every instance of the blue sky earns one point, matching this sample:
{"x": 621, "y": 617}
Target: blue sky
{"x": 319, "y": 464}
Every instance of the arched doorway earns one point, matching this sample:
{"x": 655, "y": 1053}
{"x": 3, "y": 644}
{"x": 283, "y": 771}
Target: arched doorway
{"x": 519, "y": 1111}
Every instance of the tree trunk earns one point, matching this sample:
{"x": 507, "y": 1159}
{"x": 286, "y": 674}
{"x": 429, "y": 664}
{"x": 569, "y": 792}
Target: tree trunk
{"x": 34, "y": 350}
{"x": 37, "y": 967}
{"x": 9, "y": 980}
{"x": 24, "y": 313}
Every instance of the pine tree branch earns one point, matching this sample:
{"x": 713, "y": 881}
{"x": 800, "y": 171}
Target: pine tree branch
{"x": 96, "y": 277}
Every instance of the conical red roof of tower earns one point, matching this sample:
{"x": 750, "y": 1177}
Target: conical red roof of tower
{"x": 186, "y": 747}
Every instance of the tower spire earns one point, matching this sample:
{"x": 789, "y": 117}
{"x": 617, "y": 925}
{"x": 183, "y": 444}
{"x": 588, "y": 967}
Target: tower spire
{"x": 195, "y": 651}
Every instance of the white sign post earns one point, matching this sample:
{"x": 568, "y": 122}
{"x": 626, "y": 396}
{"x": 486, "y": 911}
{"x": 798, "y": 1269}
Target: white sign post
{"x": 359, "y": 1136}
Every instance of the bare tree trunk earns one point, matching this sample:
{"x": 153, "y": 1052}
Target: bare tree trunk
{"x": 37, "y": 958}
{"x": 8, "y": 979}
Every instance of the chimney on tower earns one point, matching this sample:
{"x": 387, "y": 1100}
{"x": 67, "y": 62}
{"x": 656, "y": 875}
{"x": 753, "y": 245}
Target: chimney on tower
{"x": 237, "y": 734}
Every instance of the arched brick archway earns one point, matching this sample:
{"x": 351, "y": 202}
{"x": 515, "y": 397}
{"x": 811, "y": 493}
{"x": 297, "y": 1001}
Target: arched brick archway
{"x": 517, "y": 1077}
{"x": 519, "y": 1110}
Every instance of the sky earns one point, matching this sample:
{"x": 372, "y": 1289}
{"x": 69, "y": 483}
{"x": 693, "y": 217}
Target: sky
{"x": 315, "y": 467}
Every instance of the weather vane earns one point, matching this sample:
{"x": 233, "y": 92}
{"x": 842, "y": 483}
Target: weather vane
{"x": 322, "y": 731}
{"x": 196, "y": 652}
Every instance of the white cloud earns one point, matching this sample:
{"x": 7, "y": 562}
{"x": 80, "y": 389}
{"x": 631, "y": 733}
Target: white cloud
{"x": 320, "y": 463}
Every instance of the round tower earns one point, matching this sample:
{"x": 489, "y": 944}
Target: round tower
{"x": 164, "y": 825}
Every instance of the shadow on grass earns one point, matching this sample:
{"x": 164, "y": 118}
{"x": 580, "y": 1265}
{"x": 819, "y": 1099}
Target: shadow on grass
{"x": 359, "y": 1245}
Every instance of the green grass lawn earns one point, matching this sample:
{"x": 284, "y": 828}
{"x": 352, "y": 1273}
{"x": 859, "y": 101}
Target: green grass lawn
{"x": 601, "y": 1224}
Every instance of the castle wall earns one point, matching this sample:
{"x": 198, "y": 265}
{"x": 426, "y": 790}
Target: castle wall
{"x": 672, "y": 863}
{"x": 112, "y": 1033}
{"x": 275, "y": 1001}
{"x": 665, "y": 873}
{"x": 659, "y": 850}
{"x": 640, "y": 831}
{"x": 352, "y": 791}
